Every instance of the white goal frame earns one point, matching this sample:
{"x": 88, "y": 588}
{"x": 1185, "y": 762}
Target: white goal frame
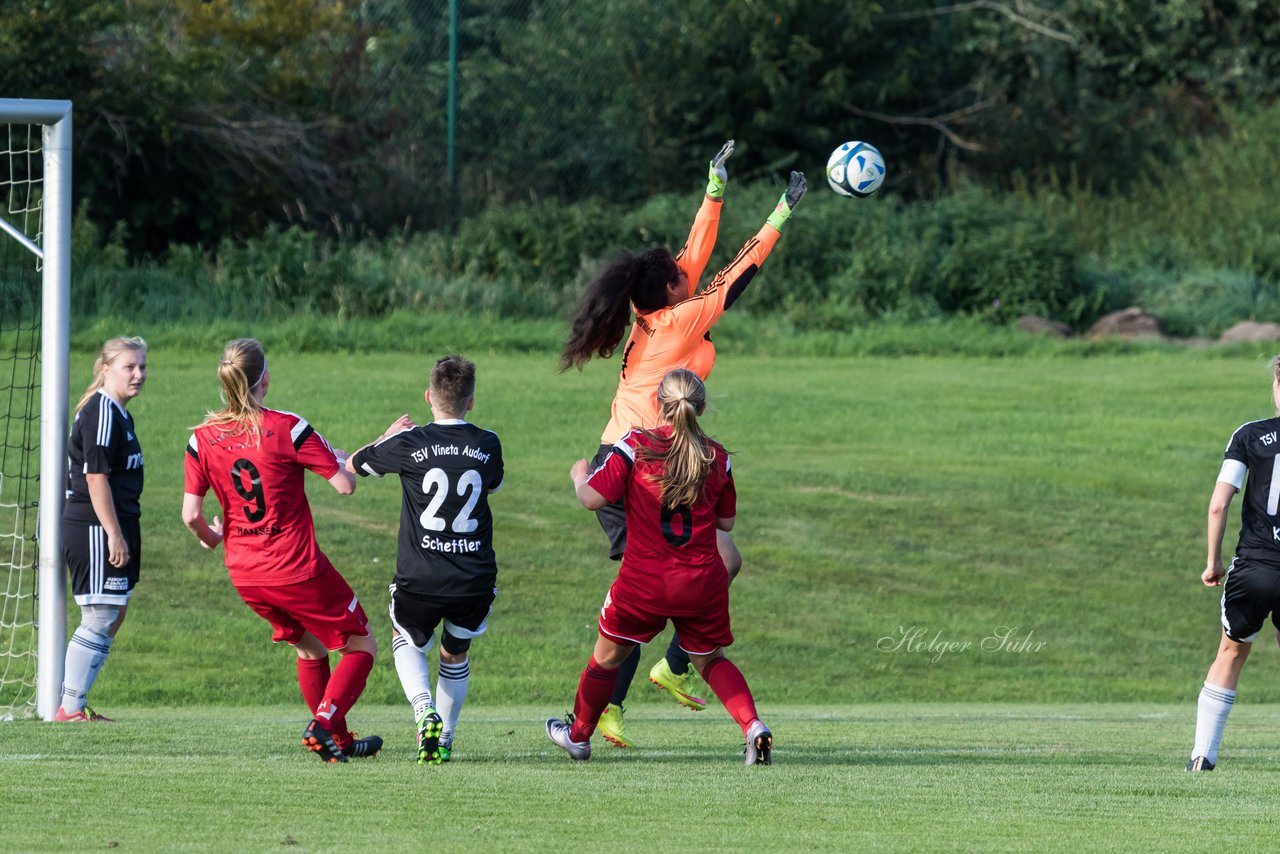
{"x": 54, "y": 117}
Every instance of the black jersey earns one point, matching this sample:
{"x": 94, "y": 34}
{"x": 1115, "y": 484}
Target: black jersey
{"x": 1253, "y": 449}
{"x": 447, "y": 470}
{"x": 103, "y": 441}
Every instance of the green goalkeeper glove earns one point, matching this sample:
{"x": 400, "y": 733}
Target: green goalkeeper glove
{"x": 795, "y": 192}
{"x": 717, "y": 175}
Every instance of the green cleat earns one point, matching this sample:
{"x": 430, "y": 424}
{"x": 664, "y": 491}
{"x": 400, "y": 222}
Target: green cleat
{"x": 680, "y": 687}
{"x": 446, "y": 752}
{"x": 612, "y": 727}
{"x": 430, "y": 726}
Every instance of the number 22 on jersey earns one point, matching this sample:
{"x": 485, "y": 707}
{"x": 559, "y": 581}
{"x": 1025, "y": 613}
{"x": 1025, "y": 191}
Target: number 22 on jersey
{"x": 435, "y": 485}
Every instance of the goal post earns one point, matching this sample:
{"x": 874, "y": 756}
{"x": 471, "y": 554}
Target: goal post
{"x": 36, "y": 186}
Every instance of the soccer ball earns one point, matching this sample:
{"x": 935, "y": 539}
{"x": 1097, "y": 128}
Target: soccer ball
{"x": 855, "y": 169}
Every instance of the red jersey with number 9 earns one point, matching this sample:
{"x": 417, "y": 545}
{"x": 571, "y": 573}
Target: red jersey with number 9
{"x": 268, "y": 534}
{"x": 671, "y": 565}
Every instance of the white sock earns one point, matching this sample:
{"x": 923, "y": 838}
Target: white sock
{"x": 1211, "y": 718}
{"x": 414, "y": 672}
{"x": 86, "y": 653}
{"x": 451, "y": 693}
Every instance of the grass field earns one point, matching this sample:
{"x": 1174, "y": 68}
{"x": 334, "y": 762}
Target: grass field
{"x": 969, "y": 606}
{"x": 1059, "y": 498}
{"x": 878, "y": 777}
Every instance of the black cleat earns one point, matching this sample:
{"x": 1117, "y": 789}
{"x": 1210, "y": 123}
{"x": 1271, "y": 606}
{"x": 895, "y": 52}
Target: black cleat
{"x": 319, "y": 741}
{"x": 1199, "y": 763}
{"x": 364, "y": 748}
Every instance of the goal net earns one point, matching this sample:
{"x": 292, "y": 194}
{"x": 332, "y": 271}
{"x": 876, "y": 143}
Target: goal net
{"x": 35, "y": 224}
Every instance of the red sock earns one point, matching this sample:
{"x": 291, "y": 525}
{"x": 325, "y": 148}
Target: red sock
{"x": 313, "y": 678}
{"x": 731, "y": 688}
{"x": 595, "y": 689}
{"x": 344, "y": 688}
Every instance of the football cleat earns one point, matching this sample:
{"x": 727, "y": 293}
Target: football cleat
{"x": 85, "y": 714}
{"x": 759, "y": 744}
{"x": 430, "y": 725}
{"x": 446, "y": 752}
{"x": 1199, "y": 763}
{"x": 364, "y": 748}
{"x": 558, "y": 731}
{"x": 319, "y": 741}
{"x": 612, "y": 727}
{"x": 679, "y": 686}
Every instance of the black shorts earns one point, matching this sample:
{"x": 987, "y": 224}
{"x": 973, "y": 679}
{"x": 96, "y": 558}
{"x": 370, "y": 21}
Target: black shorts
{"x": 94, "y": 581}
{"x": 1250, "y": 593}
{"x": 417, "y": 616}
{"x": 612, "y": 517}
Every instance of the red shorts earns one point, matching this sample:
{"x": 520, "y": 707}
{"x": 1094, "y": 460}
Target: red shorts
{"x": 324, "y": 605}
{"x": 700, "y": 634}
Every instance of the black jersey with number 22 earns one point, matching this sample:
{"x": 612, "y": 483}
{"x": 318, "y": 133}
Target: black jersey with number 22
{"x": 447, "y": 471}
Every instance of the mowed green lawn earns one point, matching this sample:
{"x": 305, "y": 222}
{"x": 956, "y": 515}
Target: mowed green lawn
{"x": 929, "y": 544}
{"x": 1058, "y": 503}
{"x": 859, "y": 777}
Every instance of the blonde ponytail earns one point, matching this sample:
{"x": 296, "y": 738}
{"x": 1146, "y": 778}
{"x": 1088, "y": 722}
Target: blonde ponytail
{"x": 687, "y": 456}
{"x": 240, "y": 372}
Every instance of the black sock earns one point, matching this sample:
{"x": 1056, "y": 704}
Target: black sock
{"x": 626, "y": 673}
{"x": 677, "y": 658}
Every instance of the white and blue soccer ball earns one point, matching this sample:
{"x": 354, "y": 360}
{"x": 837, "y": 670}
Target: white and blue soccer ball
{"x": 855, "y": 169}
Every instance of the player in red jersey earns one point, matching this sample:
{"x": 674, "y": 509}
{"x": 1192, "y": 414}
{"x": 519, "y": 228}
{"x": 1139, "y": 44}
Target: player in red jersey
{"x": 672, "y": 329}
{"x": 255, "y": 459}
{"x": 678, "y": 492}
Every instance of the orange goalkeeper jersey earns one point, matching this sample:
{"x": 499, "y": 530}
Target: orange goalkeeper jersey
{"x": 679, "y": 336}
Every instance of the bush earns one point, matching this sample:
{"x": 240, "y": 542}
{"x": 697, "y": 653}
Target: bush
{"x": 1206, "y": 302}
{"x": 1199, "y": 252}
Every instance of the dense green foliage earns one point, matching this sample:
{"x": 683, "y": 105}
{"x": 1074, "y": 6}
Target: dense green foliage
{"x": 202, "y": 120}
{"x": 1196, "y": 241}
{"x": 908, "y": 778}
{"x": 284, "y": 160}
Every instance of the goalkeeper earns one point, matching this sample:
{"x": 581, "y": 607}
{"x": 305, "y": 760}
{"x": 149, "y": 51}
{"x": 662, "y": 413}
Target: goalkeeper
{"x": 672, "y": 329}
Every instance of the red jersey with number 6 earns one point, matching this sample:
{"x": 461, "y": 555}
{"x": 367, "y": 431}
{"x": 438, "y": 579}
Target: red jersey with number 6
{"x": 671, "y": 565}
{"x": 268, "y": 534}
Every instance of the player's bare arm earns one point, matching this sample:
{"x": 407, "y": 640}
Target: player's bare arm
{"x": 209, "y": 535}
{"x": 343, "y": 481}
{"x": 404, "y": 422}
{"x": 1219, "y": 503}
{"x": 590, "y": 499}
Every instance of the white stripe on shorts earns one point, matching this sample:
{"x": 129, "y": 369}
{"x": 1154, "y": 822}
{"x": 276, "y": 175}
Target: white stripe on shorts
{"x": 97, "y": 559}
{"x": 1222, "y": 605}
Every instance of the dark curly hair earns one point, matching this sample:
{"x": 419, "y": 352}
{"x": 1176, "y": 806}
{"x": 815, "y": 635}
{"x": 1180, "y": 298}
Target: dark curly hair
{"x": 629, "y": 278}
